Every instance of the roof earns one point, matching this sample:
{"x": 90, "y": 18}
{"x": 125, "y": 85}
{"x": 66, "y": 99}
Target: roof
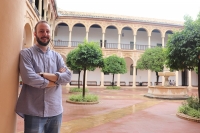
{"x": 117, "y": 17}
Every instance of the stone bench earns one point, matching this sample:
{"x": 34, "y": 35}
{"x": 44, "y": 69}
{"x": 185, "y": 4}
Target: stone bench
{"x": 122, "y": 83}
{"x": 136, "y": 83}
{"x": 75, "y": 82}
{"x": 107, "y": 83}
{"x": 91, "y": 83}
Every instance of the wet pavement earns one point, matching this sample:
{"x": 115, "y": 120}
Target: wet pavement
{"x": 123, "y": 111}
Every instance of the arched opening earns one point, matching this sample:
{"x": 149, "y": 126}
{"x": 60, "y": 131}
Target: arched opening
{"x": 167, "y": 34}
{"x": 61, "y": 35}
{"x": 127, "y": 38}
{"x": 27, "y": 37}
{"x": 78, "y": 34}
{"x": 156, "y": 39}
{"x": 142, "y": 39}
{"x": 111, "y": 37}
{"x": 95, "y": 34}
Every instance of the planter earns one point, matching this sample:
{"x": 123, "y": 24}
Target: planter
{"x": 84, "y": 103}
{"x": 186, "y": 117}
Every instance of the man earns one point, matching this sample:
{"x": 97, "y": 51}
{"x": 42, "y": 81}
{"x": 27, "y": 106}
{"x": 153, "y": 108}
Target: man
{"x": 42, "y": 71}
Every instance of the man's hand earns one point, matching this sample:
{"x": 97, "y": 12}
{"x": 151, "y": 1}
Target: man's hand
{"x": 62, "y": 70}
{"x": 51, "y": 84}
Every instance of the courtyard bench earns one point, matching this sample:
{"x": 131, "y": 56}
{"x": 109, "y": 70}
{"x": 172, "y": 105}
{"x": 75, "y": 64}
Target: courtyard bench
{"x": 75, "y": 82}
{"x": 91, "y": 83}
{"x": 122, "y": 83}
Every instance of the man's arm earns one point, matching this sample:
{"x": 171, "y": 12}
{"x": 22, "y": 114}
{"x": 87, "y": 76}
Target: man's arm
{"x": 64, "y": 75}
{"x": 27, "y": 71}
{"x": 51, "y": 76}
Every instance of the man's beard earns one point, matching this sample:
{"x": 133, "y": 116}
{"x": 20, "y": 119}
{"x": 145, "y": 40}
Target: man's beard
{"x": 42, "y": 43}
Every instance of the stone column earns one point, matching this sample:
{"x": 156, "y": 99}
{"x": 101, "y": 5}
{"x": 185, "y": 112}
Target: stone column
{"x": 134, "y": 76}
{"x": 12, "y": 14}
{"x": 190, "y": 79}
{"x": 86, "y": 37}
{"x": 176, "y": 78}
{"x": 45, "y": 14}
{"x": 70, "y": 39}
{"x": 134, "y": 42}
{"x": 119, "y": 35}
{"x": 102, "y": 79}
{"x": 40, "y": 8}
{"x": 103, "y": 38}
{"x": 163, "y": 42}
{"x": 118, "y": 80}
{"x": 149, "y": 41}
{"x": 33, "y": 3}
{"x": 149, "y": 77}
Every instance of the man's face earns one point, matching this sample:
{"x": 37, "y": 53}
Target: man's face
{"x": 42, "y": 34}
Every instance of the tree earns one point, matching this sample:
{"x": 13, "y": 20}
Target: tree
{"x": 115, "y": 65}
{"x": 88, "y": 57}
{"x": 70, "y": 61}
{"x": 152, "y": 59}
{"x": 183, "y": 48}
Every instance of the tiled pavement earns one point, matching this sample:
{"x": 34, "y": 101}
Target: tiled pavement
{"x": 123, "y": 111}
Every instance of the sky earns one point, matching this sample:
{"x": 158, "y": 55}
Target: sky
{"x": 160, "y": 9}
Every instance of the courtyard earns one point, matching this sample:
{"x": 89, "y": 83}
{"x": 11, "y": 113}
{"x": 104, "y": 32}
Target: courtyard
{"x": 123, "y": 111}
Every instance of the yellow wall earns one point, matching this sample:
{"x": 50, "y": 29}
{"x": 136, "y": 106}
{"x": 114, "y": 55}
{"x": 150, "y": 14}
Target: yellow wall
{"x": 12, "y": 14}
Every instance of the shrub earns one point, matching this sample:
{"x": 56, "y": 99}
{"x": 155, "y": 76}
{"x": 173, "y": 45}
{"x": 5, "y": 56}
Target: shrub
{"x": 191, "y": 107}
{"x": 113, "y": 87}
{"x": 76, "y": 89}
{"x": 87, "y": 98}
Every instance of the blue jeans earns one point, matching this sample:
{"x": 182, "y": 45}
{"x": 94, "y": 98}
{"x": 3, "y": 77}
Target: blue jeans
{"x": 35, "y": 124}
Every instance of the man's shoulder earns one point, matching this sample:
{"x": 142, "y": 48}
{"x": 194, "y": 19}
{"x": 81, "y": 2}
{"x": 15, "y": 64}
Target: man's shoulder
{"x": 26, "y": 51}
{"x": 55, "y": 53}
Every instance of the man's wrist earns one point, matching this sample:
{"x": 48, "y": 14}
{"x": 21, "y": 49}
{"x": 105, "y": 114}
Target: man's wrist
{"x": 42, "y": 74}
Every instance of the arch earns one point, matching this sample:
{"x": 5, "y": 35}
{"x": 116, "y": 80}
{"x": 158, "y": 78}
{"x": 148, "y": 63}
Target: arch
{"x": 127, "y": 35}
{"x": 168, "y": 32}
{"x": 27, "y": 36}
{"x": 96, "y": 25}
{"x": 78, "y": 34}
{"x": 78, "y": 24}
{"x": 128, "y": 28}
{"x": 112, "y": 27}
{"x": 59, "y": 22}
{"x": 95, "y": 33}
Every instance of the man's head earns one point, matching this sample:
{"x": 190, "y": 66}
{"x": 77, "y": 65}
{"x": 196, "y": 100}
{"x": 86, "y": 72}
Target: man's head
{"x": 42, "y": 33}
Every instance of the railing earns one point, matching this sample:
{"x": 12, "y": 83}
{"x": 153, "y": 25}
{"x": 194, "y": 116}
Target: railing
{"x": 141, "y": 47}
{"x": 75, "y": 43}
{"x": 127, "y": 46}
{"x": 111, "y": 45}
{"x": 61, "y": 43}
{"x": 36, "y": 11}
{"x": 30, "y": 1}
{"x": 58, "y": 43}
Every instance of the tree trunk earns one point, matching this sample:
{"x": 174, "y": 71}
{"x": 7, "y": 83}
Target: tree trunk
{"x": 79, "y": 73}
{"x": 84, "y": 71}
{"x": 113, "y": 80}
{"x": 199, "y": 80}
{"x": 157, "y": 78}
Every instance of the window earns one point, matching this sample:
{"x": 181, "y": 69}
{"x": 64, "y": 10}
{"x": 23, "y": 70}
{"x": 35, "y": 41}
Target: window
{"x": 131, "y": 70}
{"x": 106, "y": 73}
{"x": 75, "y": 72}
{"x": 104, "y": 43}
{"x": 131, "y": 45}
{"x": 159, "y": 44}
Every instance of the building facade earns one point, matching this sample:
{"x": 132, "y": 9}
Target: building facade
{"x": 124, "y": 36}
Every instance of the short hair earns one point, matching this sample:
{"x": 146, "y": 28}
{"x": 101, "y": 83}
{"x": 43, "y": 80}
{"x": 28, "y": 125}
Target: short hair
{"x": 41, "y": 21}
